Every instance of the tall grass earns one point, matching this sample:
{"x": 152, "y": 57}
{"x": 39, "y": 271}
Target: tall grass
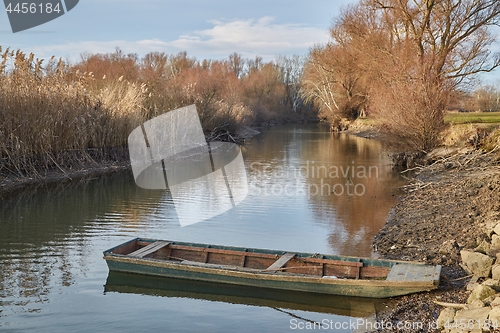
{"x": 52, "y": 118}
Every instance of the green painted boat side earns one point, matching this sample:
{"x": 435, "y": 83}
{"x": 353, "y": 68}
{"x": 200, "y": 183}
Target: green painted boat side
{"x": 374, "y": 288}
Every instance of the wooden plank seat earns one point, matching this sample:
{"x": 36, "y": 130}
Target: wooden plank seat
{"x": 148, "y": 249}
{"x": 280, "y": 262}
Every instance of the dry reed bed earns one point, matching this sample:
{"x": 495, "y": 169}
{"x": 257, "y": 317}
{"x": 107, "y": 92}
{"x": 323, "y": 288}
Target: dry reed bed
{"x": 51, "y": 118}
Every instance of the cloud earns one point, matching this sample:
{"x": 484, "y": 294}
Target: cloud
{"x": 250, "y": 38}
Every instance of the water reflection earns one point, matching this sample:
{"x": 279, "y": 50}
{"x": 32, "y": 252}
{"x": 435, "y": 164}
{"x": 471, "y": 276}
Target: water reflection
{"x": 45, "y": 235}
{"x": 368, "y": 184}
{"x": 348, "y": 181}
{"x": 236, "y": 294}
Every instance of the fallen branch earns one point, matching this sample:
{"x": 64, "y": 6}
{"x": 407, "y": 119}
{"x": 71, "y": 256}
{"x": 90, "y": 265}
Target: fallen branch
{"x": 451, "y": 305}
{"x": 462, "y": 278}
{"x": 418, "y": 167}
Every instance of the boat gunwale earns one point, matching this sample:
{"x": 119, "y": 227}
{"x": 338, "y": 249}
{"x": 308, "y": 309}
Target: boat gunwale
{"x": 389, "y": 263}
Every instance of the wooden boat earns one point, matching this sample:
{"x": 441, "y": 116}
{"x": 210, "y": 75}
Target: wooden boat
{"x": 304, "y": 272}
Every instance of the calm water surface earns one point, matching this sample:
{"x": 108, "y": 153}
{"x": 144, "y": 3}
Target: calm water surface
{"x": 309, "y": 190}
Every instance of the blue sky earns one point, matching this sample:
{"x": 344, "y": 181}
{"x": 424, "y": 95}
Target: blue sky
{"x": 205, "y": 29}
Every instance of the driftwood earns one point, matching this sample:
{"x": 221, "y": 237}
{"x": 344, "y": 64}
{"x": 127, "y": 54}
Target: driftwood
{"x": 451, "y": 305}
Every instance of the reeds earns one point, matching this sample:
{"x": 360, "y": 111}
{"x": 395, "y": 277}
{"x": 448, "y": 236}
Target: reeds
{"x": 52, "y": 118}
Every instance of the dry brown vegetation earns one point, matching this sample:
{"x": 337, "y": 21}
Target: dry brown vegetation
{"x": 229, "y": 94}
{"x": 52, "y": 118}
{"x": 55, "y": 116}
{"x": 400, "y": 61}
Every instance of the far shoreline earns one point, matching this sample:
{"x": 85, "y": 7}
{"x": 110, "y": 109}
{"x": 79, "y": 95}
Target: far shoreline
{"x": 11, "y": 184}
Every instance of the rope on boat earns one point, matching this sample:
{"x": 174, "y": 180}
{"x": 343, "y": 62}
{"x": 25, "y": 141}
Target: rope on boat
{"x": 295, "y": 316}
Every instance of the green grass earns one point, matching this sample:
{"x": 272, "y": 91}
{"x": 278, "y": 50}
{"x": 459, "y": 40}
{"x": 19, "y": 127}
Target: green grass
{"x": 472, "y": 117}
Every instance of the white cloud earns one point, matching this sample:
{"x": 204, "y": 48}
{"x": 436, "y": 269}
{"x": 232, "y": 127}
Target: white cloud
{"x": 248, "y": 37}
{"x": 252, "y": 37}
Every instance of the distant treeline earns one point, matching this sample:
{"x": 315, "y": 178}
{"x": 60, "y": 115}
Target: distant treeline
{"x": 228, "y": 93}
{"x": 485, "y": 98}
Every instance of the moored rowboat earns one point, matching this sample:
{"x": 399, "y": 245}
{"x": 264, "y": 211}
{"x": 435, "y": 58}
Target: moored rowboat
{"x": 305, "y": 272}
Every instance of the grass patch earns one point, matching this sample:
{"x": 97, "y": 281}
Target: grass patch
{"x": 472, "y": 118}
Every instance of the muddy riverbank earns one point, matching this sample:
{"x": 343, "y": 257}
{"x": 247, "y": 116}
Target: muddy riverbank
{"x": 63, "y": 166}
{"x": 443, "y": 210}
{"x": 77, "y": 165}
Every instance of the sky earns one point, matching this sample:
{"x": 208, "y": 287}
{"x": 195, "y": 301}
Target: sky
{"x": 206, "y": 29}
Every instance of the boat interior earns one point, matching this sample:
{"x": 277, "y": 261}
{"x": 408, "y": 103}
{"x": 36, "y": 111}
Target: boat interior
{"x": 254, "y": 260}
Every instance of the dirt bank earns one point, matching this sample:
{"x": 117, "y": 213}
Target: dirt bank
{"x": 445, "y": 209}
{"x": 71, "y": 165}
{"x": 68, "y": 165}
{"x": 9, "y": 184}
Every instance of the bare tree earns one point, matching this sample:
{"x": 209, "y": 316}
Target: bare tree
{"x": 486, "y": 98}
{"x": 319, "y": 87}
{"x": 333, "y": 79}
{"x": 290, "y": 73}
{"x": 237, "y": 64}
{"x": 412, "y": 54}
{"x": 451, "y": 38}
{"x": 176, "y": 64}
{"x": 153, "y": 68}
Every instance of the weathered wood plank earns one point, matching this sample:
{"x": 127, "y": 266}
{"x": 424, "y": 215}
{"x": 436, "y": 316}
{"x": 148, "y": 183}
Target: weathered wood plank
{"x": 215, "y": 250}
{"x": 374, "y": 272}
{"x": 333, "y": 262}
{"x": 243, "y": 259}
{"x": 358, "y": 272}
{"x": 205, "y": 256}
{"x": 403, "y": 272}
{"x": 281, "y": 261}
{"x": 220, "y": 266}
{"x": 153, "y": 247}
{"x": 270, "y": 256}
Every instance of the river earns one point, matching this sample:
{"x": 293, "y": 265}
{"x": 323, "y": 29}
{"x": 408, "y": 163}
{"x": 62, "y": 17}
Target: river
{"x": 309, "y": 191}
